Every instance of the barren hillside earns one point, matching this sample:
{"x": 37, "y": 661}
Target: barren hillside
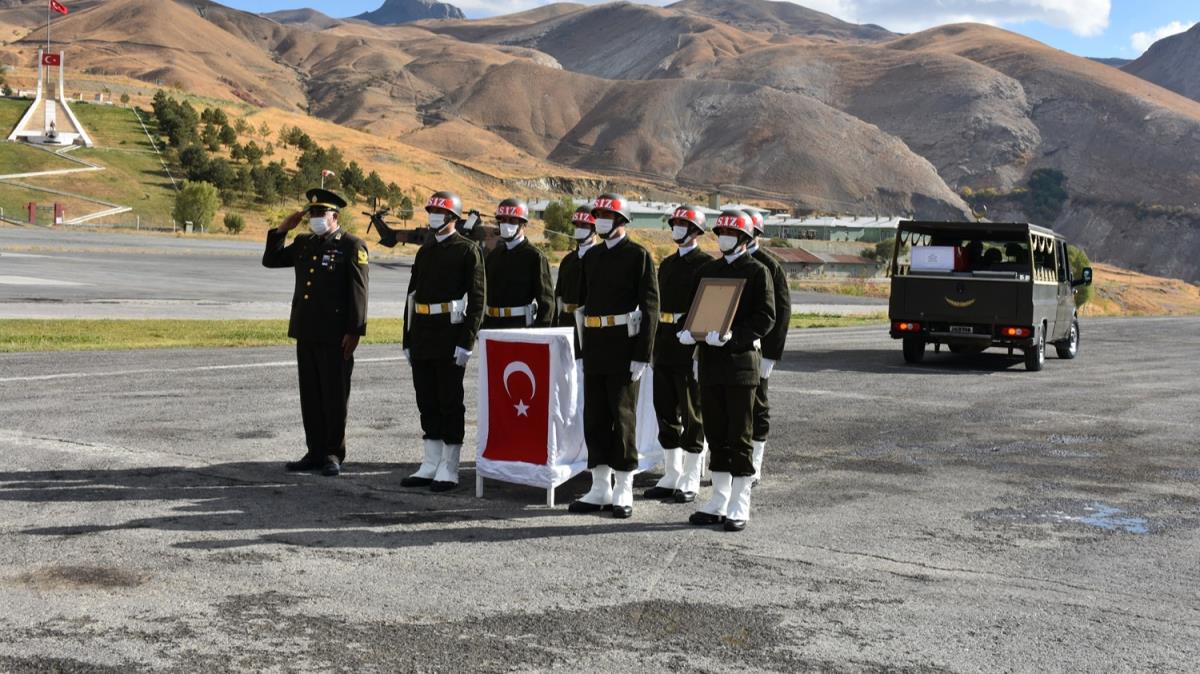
{"x": 1172, "y": 62}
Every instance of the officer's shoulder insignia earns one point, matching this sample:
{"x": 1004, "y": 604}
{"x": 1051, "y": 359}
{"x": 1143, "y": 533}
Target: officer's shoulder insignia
{"x": 362, "y": 255}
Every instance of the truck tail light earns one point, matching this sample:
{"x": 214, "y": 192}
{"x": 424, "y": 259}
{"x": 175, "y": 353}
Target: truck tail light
{"x": 1016, "y": 332}
{"x": 906, "y": 326}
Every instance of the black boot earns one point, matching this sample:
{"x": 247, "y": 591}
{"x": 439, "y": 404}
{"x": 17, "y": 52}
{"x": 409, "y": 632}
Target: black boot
{"x": 658, "y": 493}
{"x": 309, "y": 461}
{"x": 703, "y": 519}
{"x": 333, "y": 467}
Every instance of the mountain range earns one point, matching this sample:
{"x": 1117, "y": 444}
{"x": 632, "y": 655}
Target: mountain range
{"x": 752, "y": 98}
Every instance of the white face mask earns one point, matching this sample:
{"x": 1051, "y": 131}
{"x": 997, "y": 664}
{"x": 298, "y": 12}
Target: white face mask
{"x": 727, "y": 243}
{"x": 318, "y": 225}
{"x": 508, "y": 231}
{"x": 437, "y": 220}
{"x": 604, "y": 226}
{"x": 582, "y": 234}
{"x": 680, "y": 233}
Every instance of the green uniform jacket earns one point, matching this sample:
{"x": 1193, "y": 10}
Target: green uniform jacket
{"x": 616, "y": 281}
{"x": 515, "y": 278}
{"x": 677, "y": 288}
{"x": 739, "y": 363}
{"x": 330, "y": 299}
{"x": 443, "y": 272}
{"x": 566, "y": 290}
{"x": 775, "y": 341}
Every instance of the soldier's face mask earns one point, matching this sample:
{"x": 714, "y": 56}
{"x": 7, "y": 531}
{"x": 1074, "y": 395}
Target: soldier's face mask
{"x": 319, "y": 224}
{"x": 604, "y": 226}
{"x": 728, "y": 243}
{"x": 508, "y": 231}
{"x": 681, "y": 233}
{"x": 437, "y": 221}
{"x": 583, "y": 233}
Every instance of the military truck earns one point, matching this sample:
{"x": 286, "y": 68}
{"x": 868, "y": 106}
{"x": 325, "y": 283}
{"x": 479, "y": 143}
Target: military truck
{"x": 972, "y": 286}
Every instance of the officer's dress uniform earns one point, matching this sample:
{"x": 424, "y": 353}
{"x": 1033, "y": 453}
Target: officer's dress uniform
{"x": 444, "y": 312}
{"x": 676, "y": 391}
{"x": 729, "y": 376}
{"x": 519, "y": 290}
{"x": 773, "y": 345}
{"x": 329, "y": 302}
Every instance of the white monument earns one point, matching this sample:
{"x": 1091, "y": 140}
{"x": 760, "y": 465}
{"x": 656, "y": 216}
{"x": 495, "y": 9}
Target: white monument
{"x": 55, "y": 128}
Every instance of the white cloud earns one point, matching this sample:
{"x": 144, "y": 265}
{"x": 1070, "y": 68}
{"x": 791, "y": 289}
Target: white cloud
{"x": 1141, "y": 41}
{"x": 1082, "y": 17}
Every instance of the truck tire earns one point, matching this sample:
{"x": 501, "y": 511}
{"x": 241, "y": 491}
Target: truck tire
{"x": 914, "y": 350}
{"x": 1035, "y": 356}
{"x": 1069, "y": 348}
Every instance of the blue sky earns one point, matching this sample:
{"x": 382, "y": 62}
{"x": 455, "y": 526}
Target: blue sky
{"x": 1117, "y": 28}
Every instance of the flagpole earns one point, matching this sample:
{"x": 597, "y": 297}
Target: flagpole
{"x": 47, "y": 26}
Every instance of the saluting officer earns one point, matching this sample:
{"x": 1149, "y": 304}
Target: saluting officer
{"x": 570, "y": 277}
{"x": 442, "y": 318}
{"x": 329, "y": 315}
{"x": 519, "y": 291}
{"x": 676, "y": 392}
{"x": 619, "y": 296}
{"x": 730, "y": 368}
{"x": 773, "y": 343}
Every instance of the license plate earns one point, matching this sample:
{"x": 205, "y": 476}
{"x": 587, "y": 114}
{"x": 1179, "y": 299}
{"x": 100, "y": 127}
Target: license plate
{"x": 962, "y": 329}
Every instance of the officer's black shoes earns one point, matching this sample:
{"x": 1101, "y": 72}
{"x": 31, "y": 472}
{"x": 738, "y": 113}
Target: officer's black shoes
{"x": 658, "y": 493}
{"x": 735, "y": 525}
{"x": 332, "y": 468}
{"x": 308, "y": 462}
{"x": 583, "y": 507}
{"x": 684, "y": 496}
{"x": 439, "y": 487}
{"x": 703, "y": 519}
{"x": 414, "y": 481}
{"x": 622, "y": 512}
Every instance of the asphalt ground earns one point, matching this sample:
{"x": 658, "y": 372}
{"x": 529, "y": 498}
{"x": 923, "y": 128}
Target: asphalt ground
{"x": 963, "y": 515}
{"x": 83, "y": 274}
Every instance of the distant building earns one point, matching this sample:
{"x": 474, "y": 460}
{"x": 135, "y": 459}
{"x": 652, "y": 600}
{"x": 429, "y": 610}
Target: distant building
{"x": 833, "y": 228}
{"x": 800, "y": 262}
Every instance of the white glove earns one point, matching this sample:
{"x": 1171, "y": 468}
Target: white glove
{"x": 408, "y": 356}
{"x": 685, "y": 338}
{"x": 767, "y": 368}
{"x": 461, "y": 356}
{"x": 714, "y": 339}
{"x": 636, "y": 370}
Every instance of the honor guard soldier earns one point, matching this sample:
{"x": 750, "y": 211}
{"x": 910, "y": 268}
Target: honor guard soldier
{"x": 442, "y": 317}
{"x": 676, "y": 392}
{"x": 773, "y": 344}
{"x": 570, "y": 270}
{"x": 519, "y": 290}
{"x": 730, "y": 369}
{"x": 329, "y": 315}
{"x": 619, "y": 297}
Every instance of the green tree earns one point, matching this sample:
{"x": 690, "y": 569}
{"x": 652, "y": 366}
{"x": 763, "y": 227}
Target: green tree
{"x": 228, "y": 135}
{"x": 404, "y": 209}
{"x": 197, "y": 203}
{"x": 1078, "y": 259}
{"x": 252, "y": 153}
{"x": 353, "y": 180}
{"x": 124, "y": 99}
{"x": 234, "y": 223}
{"x": 557, "y": 216}
{"x": 264, "y": 131}
{"x": 1046, "y": 196}
{"x": 241, "y": 126}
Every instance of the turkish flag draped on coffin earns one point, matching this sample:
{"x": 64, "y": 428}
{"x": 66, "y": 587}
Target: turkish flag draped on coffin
{"x": 519, "y": 385}
{"x": 58, "y": 7}
{"x": 51, "y": 60}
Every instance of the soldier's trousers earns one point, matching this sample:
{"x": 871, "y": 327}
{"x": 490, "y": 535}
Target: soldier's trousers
{"x": 762, "y": 411}
{"x": 677, "y": 406}
{"x": 439, "y": 388}
{"x": 324, "y": 396}
{"x": 728, "y": 424}
{"x": 610, "y": 420}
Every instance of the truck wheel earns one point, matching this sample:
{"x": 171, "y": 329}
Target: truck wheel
{"x": 914, "y": 350}
{"x": 1035, "y": 356}
{"x": 1070, "y": 348}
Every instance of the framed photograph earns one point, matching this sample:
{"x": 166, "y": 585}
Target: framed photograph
{"x": 714, "y": 306}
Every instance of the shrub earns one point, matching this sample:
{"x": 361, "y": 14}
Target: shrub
{"x": 234, "y": 223}
{"x": 197, "y": 203}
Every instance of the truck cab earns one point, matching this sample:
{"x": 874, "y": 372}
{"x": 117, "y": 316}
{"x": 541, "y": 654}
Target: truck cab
{"x": 974, "y": 286}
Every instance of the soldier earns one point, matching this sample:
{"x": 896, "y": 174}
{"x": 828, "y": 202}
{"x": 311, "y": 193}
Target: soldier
{"x": 443, "y": 313}
{"x": 730, "y": 368}
{"x": 773, "y": 343}
{"x": 566, "y": 290}
{"x": 676, "y": 392}
{"x": 619, "y": 296}
{"x": 329, "y": 315}
{"x": 519, "y": 291}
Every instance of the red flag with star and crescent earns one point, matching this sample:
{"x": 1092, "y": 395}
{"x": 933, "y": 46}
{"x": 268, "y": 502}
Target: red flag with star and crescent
{"x": 58, "y": 7}
{"x": 518, "y": 390}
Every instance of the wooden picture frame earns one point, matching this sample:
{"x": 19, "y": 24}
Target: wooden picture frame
{"x": 713, "y": 307}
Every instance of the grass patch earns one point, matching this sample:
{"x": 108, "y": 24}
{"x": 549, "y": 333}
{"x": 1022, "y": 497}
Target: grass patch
{"x": 11, "y": 110}
{"x": 13, "y": 199}
{"x": 849, "y": 288}
{"x": 104, "y": 335}
{"x": 23, "y": 158}
{"x": 112, "y": 127}
{"x": 831, "y": 321}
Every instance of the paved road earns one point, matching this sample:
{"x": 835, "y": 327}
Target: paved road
{"x": 76, "y": 274}
{"x": 964, "y": 515}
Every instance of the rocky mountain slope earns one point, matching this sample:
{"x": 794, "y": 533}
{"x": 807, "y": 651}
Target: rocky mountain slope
{"x": 1173, "y": 63}
{"x": 394, "y": 12}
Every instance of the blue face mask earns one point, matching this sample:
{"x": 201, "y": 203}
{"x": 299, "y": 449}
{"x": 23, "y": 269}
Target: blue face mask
{"x": 318, "y": 225}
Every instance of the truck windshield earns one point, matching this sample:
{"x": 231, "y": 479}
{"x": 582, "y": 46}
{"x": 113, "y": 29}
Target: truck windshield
{"x": 990, "y": 254}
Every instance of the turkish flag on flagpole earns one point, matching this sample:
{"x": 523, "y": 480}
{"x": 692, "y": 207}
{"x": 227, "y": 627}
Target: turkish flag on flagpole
{"x": 51, "y": 59}
{"x": 326, "y": 173}
{"x": 58, "y": 7}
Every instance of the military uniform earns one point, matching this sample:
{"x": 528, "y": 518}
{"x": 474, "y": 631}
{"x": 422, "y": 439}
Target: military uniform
{"x": 616, "y": 282}
{"x": 566, "y": 294}
{"x": 445, "y": 309}
{"x": 676, "y": 391}
{"x": 329, "y": 302}
{"x": 773, "y": 345}
{"x": 518, "y": 277}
